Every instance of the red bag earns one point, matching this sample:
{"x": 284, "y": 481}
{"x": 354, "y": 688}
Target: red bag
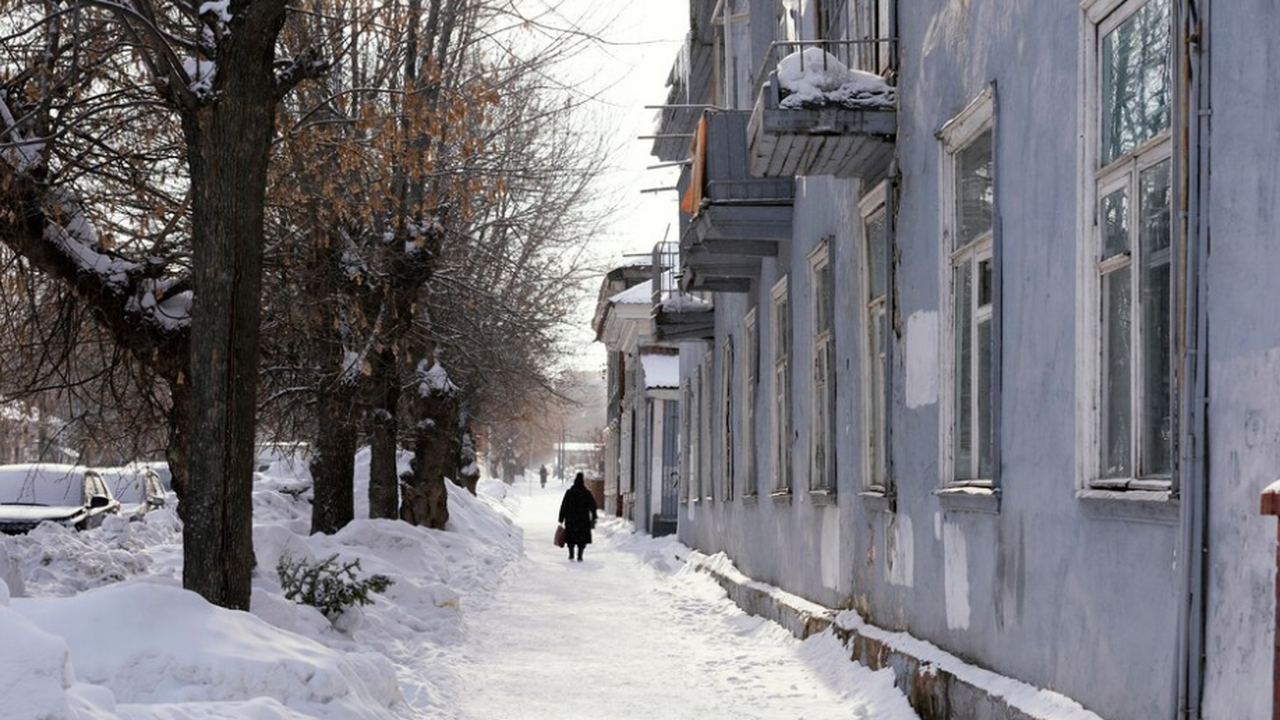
{"x": 559, "y": 541}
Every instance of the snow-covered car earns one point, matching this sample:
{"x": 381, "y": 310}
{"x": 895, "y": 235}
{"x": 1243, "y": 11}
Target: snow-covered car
{"x": 140, "y": 487}
{"x": 70, "y": 495}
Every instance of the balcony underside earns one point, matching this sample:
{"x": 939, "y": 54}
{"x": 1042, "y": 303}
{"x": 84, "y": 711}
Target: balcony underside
{"x": 677, "y": 325}
{"x": 719, "y": 272}
{"x": 742, "y": 228}
{"x": 832, "y": 140}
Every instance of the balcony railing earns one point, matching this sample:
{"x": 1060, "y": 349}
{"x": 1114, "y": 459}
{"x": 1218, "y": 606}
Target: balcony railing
{"x": 677, "y": 314}
{"x": 828, "y": 108}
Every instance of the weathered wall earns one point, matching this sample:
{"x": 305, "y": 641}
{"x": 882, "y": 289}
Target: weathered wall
{"x": 1244, "y": 355}
{"x": 1078, "y": 596}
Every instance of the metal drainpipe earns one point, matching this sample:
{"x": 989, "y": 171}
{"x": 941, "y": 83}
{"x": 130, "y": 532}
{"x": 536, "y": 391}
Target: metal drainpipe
{"x": 1193, "y": 441}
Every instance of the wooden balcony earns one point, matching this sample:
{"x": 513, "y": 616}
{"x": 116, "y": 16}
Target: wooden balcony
{"x": 830, "y": 134}
{"x": 733, "y": 219}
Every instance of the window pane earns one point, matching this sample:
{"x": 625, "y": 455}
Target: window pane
{"x": 984, "y": 283}
{"x": 727, "y": 408}
{"x": 1116, "y": 379}
{"x": 963, "y": 385}
{"x": 973, "y": 190}
{"x": 876, "y": 237}
{"x": 875, "y": 399}
{"x": 983, "y": 431}
{"x": 1115, "y": 223}
{"x": 1136, "y": 80}
{"x": 1157, "y": 338}
{"x": 782, "y": 431}
{"x": 821, "y": 416}
{"x": 822, "y": 298}
{"x": 1156, "y": 201}
{"x": 780, "y": 329}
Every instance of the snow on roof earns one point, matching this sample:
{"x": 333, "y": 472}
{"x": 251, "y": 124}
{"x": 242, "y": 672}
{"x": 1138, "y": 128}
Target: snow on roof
{"x": 816, "y": 78}
{"x": 661, "y": 371}
{"x": 641, "y": 294}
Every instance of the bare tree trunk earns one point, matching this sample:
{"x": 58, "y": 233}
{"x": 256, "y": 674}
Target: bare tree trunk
{"x": 468, "y": 473}
{"x": 384, "y": 481}
{"x": 178, "y": 450}
{"x": 228, "y": 144}
{"x": 427, "y": 498}
{"x": 333, "y": 465}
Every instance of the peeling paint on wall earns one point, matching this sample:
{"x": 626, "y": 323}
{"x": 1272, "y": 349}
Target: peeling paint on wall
{"x": 900, "y": 551}
{"x": 922, "y": 358}
{"x": 956, "y": 576}
{"x": 830, "y": 547}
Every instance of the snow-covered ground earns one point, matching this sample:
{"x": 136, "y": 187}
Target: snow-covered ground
{"x": 477, "y": 624}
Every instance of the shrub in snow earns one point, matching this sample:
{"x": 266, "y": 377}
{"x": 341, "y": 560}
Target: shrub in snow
{"x": 329, "y": 585}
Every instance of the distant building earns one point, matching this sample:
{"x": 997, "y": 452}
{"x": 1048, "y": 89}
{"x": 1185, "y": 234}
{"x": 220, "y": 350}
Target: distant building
{"x": 642, "y": 435}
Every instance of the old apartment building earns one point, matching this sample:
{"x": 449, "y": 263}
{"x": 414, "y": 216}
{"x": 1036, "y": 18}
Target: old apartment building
{"x": 976, "y": 333}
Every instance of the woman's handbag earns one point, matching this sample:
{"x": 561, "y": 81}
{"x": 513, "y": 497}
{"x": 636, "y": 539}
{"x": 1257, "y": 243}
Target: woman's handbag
{"x": 559, "y": 536}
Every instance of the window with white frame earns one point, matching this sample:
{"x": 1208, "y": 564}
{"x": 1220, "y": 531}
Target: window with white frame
{"x": 875, "y": 242}
{"x": 751, "y": 369}
{"x": 822, "y": 474}
{"x": 781, "y": 319}
{"x": 1129, "y": 242}
{"x": 969, "y": 199}
{"x": 726, "y": 419}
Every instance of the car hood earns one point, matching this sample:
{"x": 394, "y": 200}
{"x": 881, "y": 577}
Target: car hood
{"x": 38, "y": 513}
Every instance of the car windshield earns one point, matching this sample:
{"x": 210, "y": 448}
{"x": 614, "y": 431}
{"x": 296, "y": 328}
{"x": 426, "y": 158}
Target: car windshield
{"x": 41, "y": 485}
{"x": 129, "y": 484}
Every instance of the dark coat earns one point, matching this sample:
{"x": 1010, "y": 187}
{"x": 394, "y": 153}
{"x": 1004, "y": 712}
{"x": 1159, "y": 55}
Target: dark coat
{"x": 578, "y": 513}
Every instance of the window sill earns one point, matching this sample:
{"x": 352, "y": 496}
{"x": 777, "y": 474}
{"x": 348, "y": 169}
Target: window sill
{"x": 969, "y": 499}
{"x": 878, "y": 501}
{"x": 781, "y": 497}
{"x": 1153, "y": 506}
{"x": 822, "y": 497}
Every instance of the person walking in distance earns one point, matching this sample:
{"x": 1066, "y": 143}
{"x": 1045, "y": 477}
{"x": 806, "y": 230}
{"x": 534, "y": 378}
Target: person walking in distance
{"x": 578, "y": 514}
{"x": 542, "y": 475}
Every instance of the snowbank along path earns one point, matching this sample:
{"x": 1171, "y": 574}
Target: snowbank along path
{"x": 632, "y": 633}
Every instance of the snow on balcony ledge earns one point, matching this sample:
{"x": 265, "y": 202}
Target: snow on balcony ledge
{"x": 685, "y": 304}
{"x": 814, "y": 78}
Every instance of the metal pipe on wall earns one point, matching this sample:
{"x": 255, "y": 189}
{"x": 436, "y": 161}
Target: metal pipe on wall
{"x": 1193, "y": 425}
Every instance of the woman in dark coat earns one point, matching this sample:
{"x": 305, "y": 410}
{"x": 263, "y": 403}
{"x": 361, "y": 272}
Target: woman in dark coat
{"x": 578, "y": 513}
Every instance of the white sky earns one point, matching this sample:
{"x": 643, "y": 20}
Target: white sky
{"x": 628, "y": 70}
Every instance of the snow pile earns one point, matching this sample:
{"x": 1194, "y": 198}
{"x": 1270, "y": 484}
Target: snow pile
{"x": 105, "y": 605}
{"x": 35, "y": 668}
{"x": 815, "y": 78}
{"x": 56, "y": 561}
{"x": 112, "y": 633}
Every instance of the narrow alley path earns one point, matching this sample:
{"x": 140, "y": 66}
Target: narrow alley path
{"x": 619, "y": 636}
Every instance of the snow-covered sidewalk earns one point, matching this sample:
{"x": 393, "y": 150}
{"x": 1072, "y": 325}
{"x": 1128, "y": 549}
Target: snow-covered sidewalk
{"x": 632, "y": 633}
{"x": 486, "y": 619}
